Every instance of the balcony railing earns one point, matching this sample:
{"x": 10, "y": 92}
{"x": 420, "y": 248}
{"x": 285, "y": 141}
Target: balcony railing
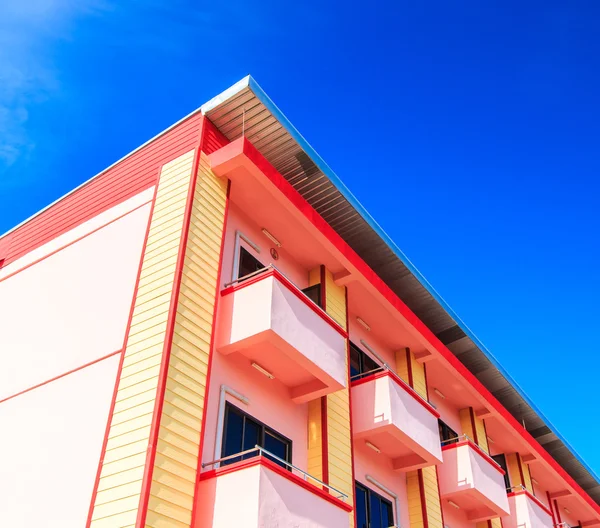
{"x": 263, "y": 489}
{"x": 390, "y": 415}
{"x": 527, "y": 511}
{"x": 268, "y": 319}
{"x": 261, "y": 451}
{"x": 472, "y": 480}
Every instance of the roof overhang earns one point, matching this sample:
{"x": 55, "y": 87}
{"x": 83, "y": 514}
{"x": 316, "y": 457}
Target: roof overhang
{"x": 245, "y": 110}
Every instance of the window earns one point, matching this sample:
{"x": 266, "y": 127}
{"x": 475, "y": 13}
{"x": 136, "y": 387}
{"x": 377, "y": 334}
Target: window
{"x": 314, "y": 294}
{"x": 248, "y": 263}
{"x": 360, "y": 363}
{"x": 242, "y": 432}
{"x": 372, "y": 510}
{"x": 447, "y": 434}
{"x": 501, "y": 461}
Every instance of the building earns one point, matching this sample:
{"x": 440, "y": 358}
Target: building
{"x": 213, "y": 332}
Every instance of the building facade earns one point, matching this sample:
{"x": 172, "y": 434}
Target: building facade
{"x": 212, "y": 332}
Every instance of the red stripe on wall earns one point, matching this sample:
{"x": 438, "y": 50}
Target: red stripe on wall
{"x": 129, "y": 177}
{"x": 122, "y": 359}
{"x": 168, "y": 343}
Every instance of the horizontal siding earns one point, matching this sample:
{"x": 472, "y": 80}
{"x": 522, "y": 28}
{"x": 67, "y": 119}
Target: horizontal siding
{"x": 174, "y": 474}
{"x": 481, "y": 434}
{"x": 402, "y": 364}
{"x": 129, "y": 177}
{"x": 418, "y": 374}
{"x": 413, "y": 495}
{"x": 432, "y": 497}
{"x": 124, "y": 460}
{"x": 315, "y": 439}
{"x": 339, "y": 438}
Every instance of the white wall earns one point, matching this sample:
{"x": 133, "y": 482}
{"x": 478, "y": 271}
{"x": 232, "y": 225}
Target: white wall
{"x": 50, "y": 447}
{"x": 70, "y": 308}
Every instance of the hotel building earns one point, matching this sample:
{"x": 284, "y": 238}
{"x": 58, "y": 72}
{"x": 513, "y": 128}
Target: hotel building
{"x": 214, "y": 332}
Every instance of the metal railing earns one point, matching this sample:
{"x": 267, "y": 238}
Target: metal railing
{"x": 385, "y": 367}
{"x": 261, "y": 451}
{"x": 456, "y": 439}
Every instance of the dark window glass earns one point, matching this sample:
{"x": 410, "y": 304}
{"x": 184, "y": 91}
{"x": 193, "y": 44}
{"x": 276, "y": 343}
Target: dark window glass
{"x": 372, "y": 510}
{"x": 242, "y": 432}
{"x": 361, "y": 507}
{"x": 361, "y": 363}
{"x": 501, "y": 461}
{"x": 447, "y": 434}
{"x": 276, "y": 445}
{"x": 248, "y": 263}
{"x": 314, "y": 294}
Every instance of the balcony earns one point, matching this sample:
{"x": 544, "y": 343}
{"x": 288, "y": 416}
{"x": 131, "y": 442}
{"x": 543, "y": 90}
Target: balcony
{"x": 393, "y": 418}
{"x": 527, "y": 511}
{"x": 472, "y": 481}
{"x": 271, "y": 322}
{"x": 258, "y": 492}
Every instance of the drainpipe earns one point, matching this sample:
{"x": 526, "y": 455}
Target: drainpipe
{"x": 390, "y": 493}
{"x": 221, "y": 417}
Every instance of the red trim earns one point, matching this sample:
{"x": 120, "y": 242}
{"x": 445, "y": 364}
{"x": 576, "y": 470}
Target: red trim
{"x": 268, "y": 464}
{"x": 437, "y": 476}
{"x": 166, "y": 355}
{"x": 120, "y": 368}
{"x": 474, "y": 425}
{"x": 518, "y": 456}
{"x": 324, "y": 289}
{"x": 76, "y": 369}
{"x": 533, "y": 498}
{"x": 350, "y": 404}
{"x": 324, "y": 440}
{"x": 475, "y": 447}
{"x": 551, "y": 509}
{"x": 72, "y": 242}
{"x": 423, "y": 501}
{"x": 411, "y": 380}
{"x": 340, "y": 244}
{"x": 211, "y": 354}
{"x": 290, "y": 286}
{"x": 324, "y": 430}
{"x": 402, "y": 384}
{"x": 557, "y": 511}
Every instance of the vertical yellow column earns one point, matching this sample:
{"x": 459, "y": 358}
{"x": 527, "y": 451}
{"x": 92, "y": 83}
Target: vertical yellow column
{"x": 474, "y": 428}
{"x": 148, "y": 470}
{"x": 411, "y": 371}
{"x": 496, "y": 522}
{"x": 424, "y": 506}
{"x": 315, "y": 414}
{"x": 339, "y": 439}
{"x": 518, "y": 472}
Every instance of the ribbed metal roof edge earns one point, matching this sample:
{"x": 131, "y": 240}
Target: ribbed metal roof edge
{"x": 249, "y": 82}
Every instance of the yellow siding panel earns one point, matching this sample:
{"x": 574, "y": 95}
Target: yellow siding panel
{"x": 315, "y": 442}
{"x": 432, "y": 497}
{"x": 419, "y": 381}
{"x": 123, "y": 464}
{"x": 402, "y": 364}
{"x": 512, "y": 464}
{"x": 335, "y": 298}
{"x": 413, "y": 492}
{"x": 481, "y": 434}
{"x": 466, "y": 424}
{"x": 527, "y": 475}
{"x": 171, "y": 499}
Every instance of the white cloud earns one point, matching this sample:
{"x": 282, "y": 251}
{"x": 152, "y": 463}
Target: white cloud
{"x": 28, "y": 29}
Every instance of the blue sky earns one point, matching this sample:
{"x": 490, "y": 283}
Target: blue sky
{"x": 480, "y": 120}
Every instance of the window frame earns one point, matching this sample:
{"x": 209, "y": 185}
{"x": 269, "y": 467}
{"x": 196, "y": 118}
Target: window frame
{"x": 361, "y": 356}
{"x": 264, "y": 428}
{"x": 500, "y": 459}
{"x": 383, "y": 499}
{"x": 444, "y": 427}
